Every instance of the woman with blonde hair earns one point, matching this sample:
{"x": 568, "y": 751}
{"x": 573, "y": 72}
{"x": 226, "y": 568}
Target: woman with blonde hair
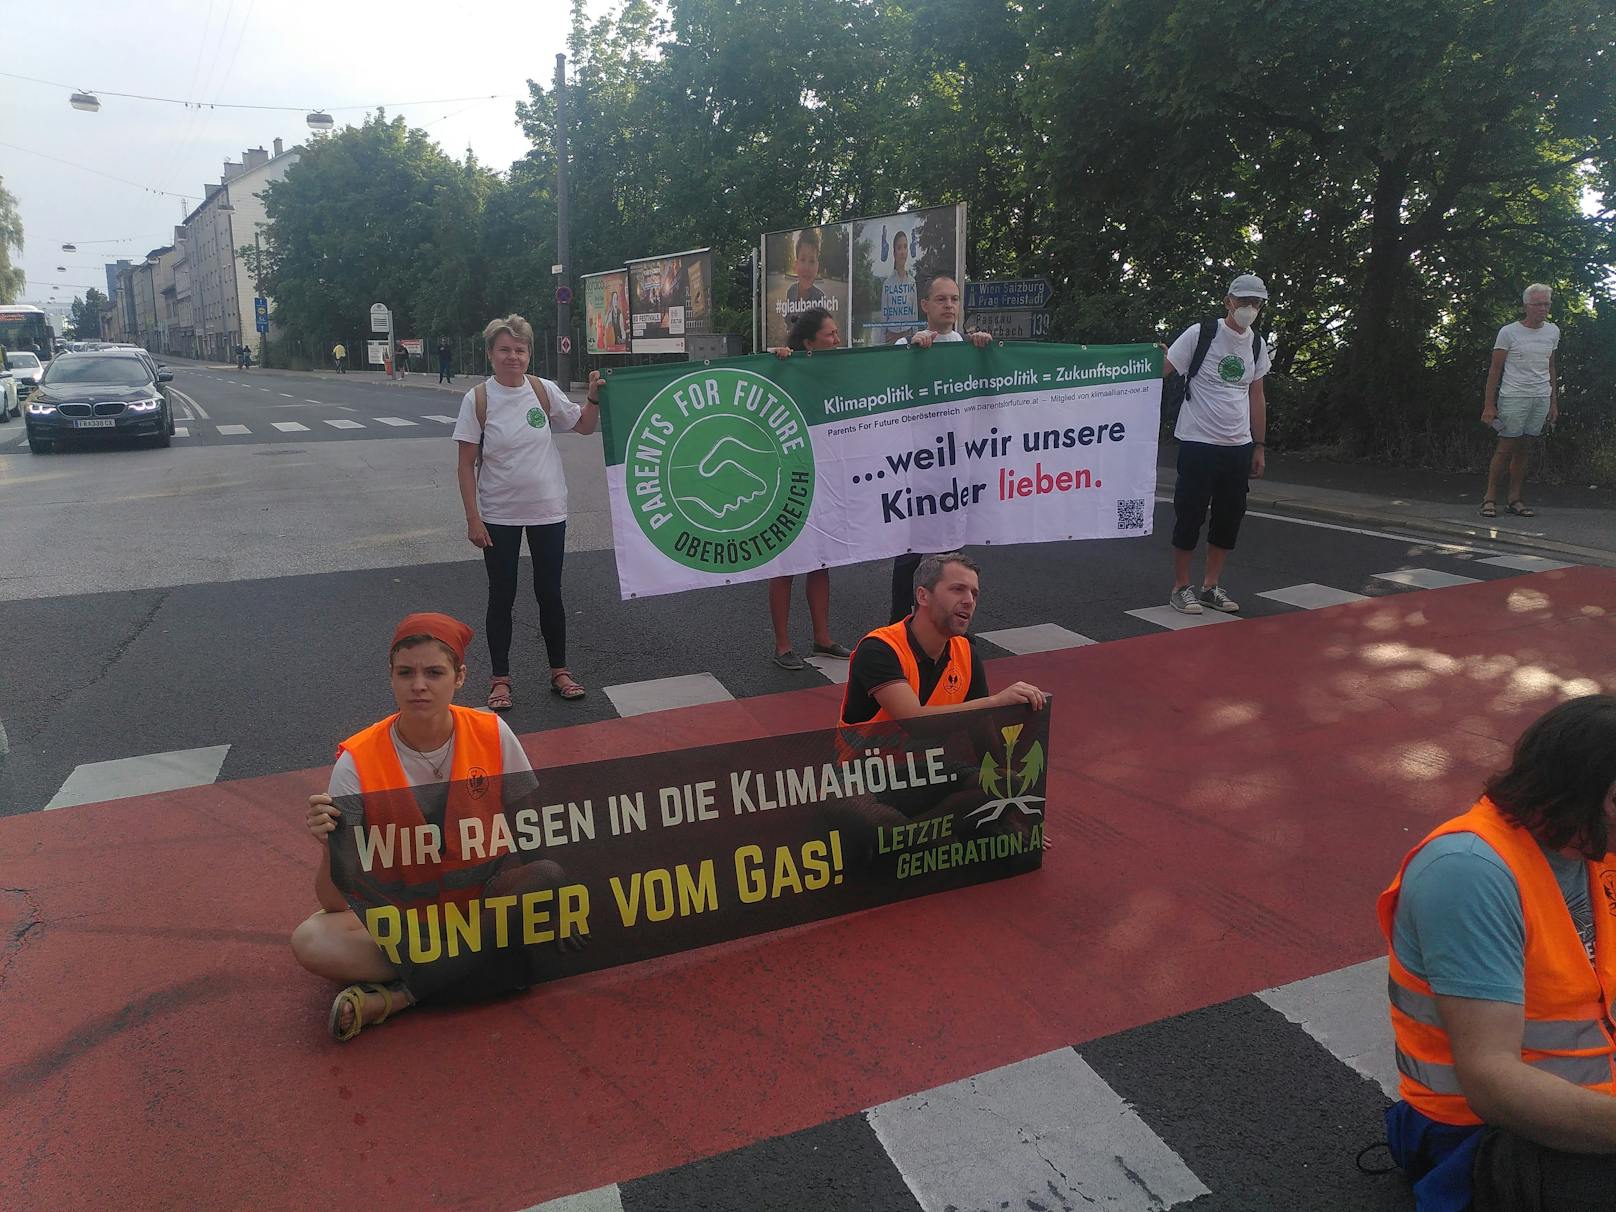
{"x": 511, "y": 483}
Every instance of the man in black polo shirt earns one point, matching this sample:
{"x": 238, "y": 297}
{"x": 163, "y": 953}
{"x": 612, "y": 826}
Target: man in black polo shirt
{"x": 925, "y": 664}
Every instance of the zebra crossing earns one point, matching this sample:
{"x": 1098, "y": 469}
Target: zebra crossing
{"x": 270, "y": 428}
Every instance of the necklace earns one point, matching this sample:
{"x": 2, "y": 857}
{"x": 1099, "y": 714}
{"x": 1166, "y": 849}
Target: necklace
{"x": 437, "y": 766}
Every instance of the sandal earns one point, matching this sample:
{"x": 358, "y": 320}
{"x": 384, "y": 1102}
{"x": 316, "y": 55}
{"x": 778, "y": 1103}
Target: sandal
{"x": 564, "y": 684}
{"x": 1521, "y": 511}
{"x": 499, "y": 694}
{"x": 353, "y": 998}
{"x": 1489, "y": 509}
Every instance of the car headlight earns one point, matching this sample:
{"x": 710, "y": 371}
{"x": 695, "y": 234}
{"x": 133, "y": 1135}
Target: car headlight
{"x": 40, "y": 410}
{"x": 145, "y": 405}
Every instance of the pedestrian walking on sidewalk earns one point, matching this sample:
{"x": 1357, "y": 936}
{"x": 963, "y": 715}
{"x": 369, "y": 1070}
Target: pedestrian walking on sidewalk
{"x": 339, "y": 354}
{"x": 813, "y": 329}
{"x": 1221, "y": 431}
{"x": 445, "y": 361}
{"x": 1522, "y": 396}
{"x": 401, "y": 361}
{"x": 511, "y": 484}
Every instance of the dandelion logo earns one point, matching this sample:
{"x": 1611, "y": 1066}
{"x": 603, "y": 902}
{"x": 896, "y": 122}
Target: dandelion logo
{"x": 1007, "y": 785}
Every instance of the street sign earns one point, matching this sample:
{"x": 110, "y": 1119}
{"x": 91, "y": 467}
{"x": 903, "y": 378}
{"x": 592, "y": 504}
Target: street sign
{"x": 381, "y": 320}
{"x": 1010, "y": 325}
{"x": 558, "y": 270}
{"x": 376, "y": 352}
{"x": 563, "y": 295}
{"x": 414, "y": 346}
{"x": 566, "y": 345}
{"x": 261, "y": 313}
{"x": 1007, "y": 294}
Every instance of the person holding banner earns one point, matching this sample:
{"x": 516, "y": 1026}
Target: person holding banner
{"x": 814, "y": 329}
{"x": 511, "y": 484}
{"x": 445, "y": 759}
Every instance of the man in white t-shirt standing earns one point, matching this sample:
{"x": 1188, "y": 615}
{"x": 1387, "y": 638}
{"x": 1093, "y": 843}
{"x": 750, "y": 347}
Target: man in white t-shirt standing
{"x": 1221, "y": 434}
{"x": 940, "y": 306}
{"x": 1522, "y": 395}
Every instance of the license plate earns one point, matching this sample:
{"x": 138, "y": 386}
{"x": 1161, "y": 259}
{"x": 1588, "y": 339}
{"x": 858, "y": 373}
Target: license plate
{"x": 97, "y": 423}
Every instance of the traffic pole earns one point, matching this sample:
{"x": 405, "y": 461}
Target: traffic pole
{"x": 563, "y": 260}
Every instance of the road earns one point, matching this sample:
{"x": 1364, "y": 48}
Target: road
{"x": 216, "y": 613}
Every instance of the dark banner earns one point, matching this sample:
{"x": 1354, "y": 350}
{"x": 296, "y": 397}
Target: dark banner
{"x": 493, "y": 883}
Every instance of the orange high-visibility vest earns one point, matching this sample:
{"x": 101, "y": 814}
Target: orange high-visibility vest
{"x": 475, "y": 790}
{"x": 951, "y": 688}
{"x": 1569, "y": 1030}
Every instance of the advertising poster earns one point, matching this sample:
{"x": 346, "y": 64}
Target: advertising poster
{"x": 670, "y": 296}
{"x": 490, "y": 883}
{"x": 761, "y": 466}
{"x": 895, "y": 258}
{"x": 606, "y": 323}
{"x": 806, "y": 267}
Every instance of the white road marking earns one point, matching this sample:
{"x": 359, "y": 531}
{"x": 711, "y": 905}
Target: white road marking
{"x": 20, "y": 441}
{"x": 445, "y": 420}
{"x": 93, "y": 782}
{"x": 396, "y": 422}
{"x": 1345, "y": 1011}
{"x": 180, "y": 431}
{"x": 664, "y": 694}
{"x": 1311, "y": 596}
{"x": 601, "y": 1199}
{"x": 833, "y": 669}
{"x": 265, "y": 390}
{"x": 291, "y": 427}
{"x": 306, "y": 400}
{"x": 1045, "y": 1126}
{"x": 1040, "y": 637}
{"x": 288, "y": 395}
{"x": 1436, "y": 545}
{"x": 1526, "y": 563}
{"x": 5, "y": 744}
{"x": 343, "y": 423}
{"x": 1174, "y": 620}
{"x": 1424, "y": 578}
{"x": 232, "y": 430}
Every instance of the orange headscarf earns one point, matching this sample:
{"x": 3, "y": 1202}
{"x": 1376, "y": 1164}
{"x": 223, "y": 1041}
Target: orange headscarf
{"x": 441, "y": 627}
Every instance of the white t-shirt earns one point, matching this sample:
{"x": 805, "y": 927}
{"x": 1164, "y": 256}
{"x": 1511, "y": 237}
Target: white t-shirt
{"x": 1218, "y": 409}
{"x": 521, "y": 482}
{"x": 938, "y": 338}
{"x": 422, "y": 768}
{"x": 1526, "y": 369}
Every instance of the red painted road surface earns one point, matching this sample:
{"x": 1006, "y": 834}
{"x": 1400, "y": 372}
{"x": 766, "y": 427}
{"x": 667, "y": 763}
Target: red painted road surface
{"x": 1225, "y": 804}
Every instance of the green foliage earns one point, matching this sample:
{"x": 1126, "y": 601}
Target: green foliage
{"x": 12, "y": 279}
{"x": 85, "y": 314}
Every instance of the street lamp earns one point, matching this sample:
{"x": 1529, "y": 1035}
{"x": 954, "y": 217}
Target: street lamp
{"x": 88, "y": 102}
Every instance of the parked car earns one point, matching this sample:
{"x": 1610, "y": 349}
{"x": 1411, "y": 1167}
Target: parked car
{"x": 102, "y": 394}
{"x": 26, "y": 369}
{"x": 8, "y": 397}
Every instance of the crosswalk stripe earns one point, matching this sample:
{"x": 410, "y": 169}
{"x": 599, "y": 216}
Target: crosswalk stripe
{"x": 445, "y": 420}
{"x": 342, "y": 423}
{"x": 1312, "y": 596}
{"x": 663, "y": 694}
{"x": 231, "y": 431}
{"x": 306, "y": 400}
{"x": 288, "y": 395}
{"x": 92, "y": 782}
{"x": 1040, "y": 637}
{"x": 291, "y": 427}
{"x": 396, "y": 422}
{"x": 1047, "y": 1126}
{"x": 601, "y": 1199}
{"x": 1345, "y": 1011}
{"x": 181, "y": 431}
{"x": 1174, "y": 620}
{"x": 1424, "y": 578}
{"x": 833, "y": 669}
{"x": 1526, "y": 563}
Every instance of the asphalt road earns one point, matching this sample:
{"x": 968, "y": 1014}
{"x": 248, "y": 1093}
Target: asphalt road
{"x": 239, "y": 588}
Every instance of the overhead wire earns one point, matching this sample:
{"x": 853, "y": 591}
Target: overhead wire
{"x": 203, "y": 104}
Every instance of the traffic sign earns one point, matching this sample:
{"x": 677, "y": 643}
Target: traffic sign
{"x": 1008, "y": 294}
{"x": 261, "y": 313}
{"x": 563, "y": 295}
{"x": 381, "y": 320}
{"x": 566, "y": 345}
{"x": 1010, "y": 325}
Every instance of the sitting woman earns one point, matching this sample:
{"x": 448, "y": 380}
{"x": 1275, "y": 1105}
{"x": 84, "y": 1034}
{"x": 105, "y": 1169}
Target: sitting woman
{"x": 438, "y": 760}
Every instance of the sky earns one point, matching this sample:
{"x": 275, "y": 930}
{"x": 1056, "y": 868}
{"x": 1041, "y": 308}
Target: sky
{"x": 307, "y": 54}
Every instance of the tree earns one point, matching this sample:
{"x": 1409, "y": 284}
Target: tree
{"x": 12, "y": 279}
{"x": 85, "y": 314}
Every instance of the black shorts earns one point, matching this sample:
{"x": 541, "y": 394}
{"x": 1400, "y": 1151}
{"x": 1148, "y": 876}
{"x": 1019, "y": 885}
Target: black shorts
{"x": 1211, "y": 478}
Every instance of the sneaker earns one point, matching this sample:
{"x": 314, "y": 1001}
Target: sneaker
{"x": 833, "y": 650}
{"x": 789, "y": 660}
{"x": 1184, "y": 601}
{"x": 1213, "y": 596}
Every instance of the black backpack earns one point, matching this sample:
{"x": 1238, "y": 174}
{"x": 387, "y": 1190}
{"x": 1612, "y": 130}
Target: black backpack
{"x": 1176, "y": 387}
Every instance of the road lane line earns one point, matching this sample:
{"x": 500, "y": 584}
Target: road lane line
{"x": 291, "y": 427}
{"x": 306, "y": 400}
{"x": 288, "y": 395}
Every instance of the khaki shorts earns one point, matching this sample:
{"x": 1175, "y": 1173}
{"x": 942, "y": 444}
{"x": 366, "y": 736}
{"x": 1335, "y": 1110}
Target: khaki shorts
{"x": 1521, "y": 416}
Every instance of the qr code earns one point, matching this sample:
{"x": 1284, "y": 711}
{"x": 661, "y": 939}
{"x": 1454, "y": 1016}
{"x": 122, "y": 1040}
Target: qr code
{"x": 1131, "y": 514}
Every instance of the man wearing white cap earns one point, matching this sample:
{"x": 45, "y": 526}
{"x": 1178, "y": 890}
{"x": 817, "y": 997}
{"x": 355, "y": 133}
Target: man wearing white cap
{"x": 1221, "y": 432}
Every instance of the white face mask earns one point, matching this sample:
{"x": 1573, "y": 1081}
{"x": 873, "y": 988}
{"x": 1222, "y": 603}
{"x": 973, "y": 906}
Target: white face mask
{"x": 1245, "y": 316}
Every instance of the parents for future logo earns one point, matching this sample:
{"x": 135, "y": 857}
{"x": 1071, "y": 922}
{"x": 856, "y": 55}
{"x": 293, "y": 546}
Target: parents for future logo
{"x": 719, "y": 470}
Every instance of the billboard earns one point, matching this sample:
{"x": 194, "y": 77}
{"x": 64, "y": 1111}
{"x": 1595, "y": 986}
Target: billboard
{"x": 606, "y": 323}
{"x": 670, "y": 296}
{"x": 869, "y": 273}
{"x": 807, "y": 267}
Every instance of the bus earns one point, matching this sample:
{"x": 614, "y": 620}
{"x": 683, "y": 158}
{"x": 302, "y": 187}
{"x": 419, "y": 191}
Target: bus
{"x": 25, "y": 329}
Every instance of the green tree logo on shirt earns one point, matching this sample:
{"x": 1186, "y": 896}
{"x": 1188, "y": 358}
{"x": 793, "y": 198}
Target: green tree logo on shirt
{"x": 720, "y": 471}
{"x": 1231, "y": 369}
{"x": 535, "y": 418}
